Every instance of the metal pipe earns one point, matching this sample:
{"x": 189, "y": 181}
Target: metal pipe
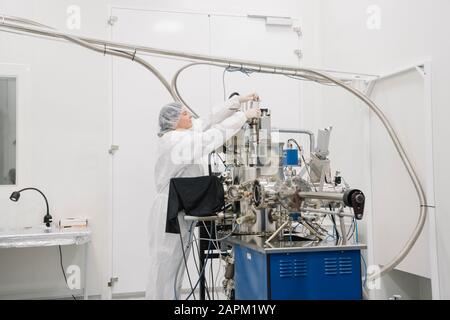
{"x": 306, "y": 210}
{"x": 40, "y": 29}
{"x": 281, "y": 71}
{"x": 312, "y": 229}
{"x": 332, "y": 196}
{"x": 311, "y": 135}
{"x": 278, "y": 231}
{"x": 5, "y": 22}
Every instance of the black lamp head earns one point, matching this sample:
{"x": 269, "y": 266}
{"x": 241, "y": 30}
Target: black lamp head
{"x": 234, "y": 94}
{"x": 15, "y": 196}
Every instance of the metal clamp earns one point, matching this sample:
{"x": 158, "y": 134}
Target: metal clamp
{"x": 112, "y": 281}
{"x": 113, "y": 149}
{"x": 112, "y": 20}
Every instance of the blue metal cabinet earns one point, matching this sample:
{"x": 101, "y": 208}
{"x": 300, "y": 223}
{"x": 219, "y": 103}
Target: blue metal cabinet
{"x": 309, "y": 275}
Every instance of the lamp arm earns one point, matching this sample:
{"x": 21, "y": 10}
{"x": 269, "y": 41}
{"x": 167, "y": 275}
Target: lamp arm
{"x": 45, "y": 198}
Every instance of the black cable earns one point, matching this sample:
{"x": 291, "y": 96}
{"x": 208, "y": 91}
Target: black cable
{"x": 203, "y": 269}
{"x": 185, "y": 265}
{"x": 203, "y": 275}
{"x": 353, "y": 231}
{"x": 295, "y": 141}
{"x": 197, "y": 249}
{"x": 335, "y": 230}
{"x": 62, "y": 269}
{"x": 335, "y": 226}
{"x": 212, "y": 279}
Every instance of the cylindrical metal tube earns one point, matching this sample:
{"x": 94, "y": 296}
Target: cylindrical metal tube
{"x": 332, "y": 196}
{"x": 278, "y": 231}
{"x": 343, "y": 231}
{"x": 307, "y": 132}
{"x": 327, "y": 212}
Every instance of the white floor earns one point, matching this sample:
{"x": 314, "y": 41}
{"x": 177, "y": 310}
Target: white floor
{"x": 218, "y": 295}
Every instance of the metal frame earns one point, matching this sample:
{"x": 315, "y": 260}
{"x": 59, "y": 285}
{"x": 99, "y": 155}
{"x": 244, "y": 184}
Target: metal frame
{"x": 425, "y": 71}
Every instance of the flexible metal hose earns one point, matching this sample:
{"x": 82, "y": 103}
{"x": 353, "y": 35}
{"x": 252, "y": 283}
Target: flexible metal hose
{"x": 123, "y": 51}
{"x": 100, "y": 49}
{"x": 394, "y": 137}
{"x": 176, "y": 92}
{"x": 409, "y": 167}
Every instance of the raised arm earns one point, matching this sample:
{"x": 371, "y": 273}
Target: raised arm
{"x": 225, "y": 110}
{"x": 191, "y": 146}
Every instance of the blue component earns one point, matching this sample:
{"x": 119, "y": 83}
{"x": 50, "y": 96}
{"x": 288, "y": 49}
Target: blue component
{"x": 290, "y": 157}
{"x": 321, "y": 275}
{"x": 295, "y": 216}
{"x": 251, "y": 280}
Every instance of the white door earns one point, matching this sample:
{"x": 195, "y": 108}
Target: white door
{"x": 138, "y": 97}
{"x": 395, "y": 203}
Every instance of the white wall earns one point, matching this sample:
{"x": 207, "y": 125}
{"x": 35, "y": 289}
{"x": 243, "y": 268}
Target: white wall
{"x": 441, "y": 95}
{"x": 70, "y": 125}
{"x": 411, "y": 31}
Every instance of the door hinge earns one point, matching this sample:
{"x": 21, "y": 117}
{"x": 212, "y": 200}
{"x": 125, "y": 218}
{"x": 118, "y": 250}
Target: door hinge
{"x": 113, "y": 149}
{"x": 112, "y": 20}
{"x": 112, "y": 281}
{"x": 298, "y": 30}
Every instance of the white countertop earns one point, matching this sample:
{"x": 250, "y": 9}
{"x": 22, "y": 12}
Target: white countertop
{"x": 41, "y": 237}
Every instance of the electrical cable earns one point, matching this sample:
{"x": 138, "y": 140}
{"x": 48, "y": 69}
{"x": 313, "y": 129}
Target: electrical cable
{"x": 217, "y": 248}
{"x": 63, "y": 272}
{"x": 203, "y": 269}
{"x": 224, "y": 238}
{"x": 212, "y": 279}
{"x": 185, "y": 260}
{"x": 204, "y": 276}
{"x": 220, "y": 262}
{"x": 335, "y": 226}
{"x": 197, "y": 249}
{"x": 352, "y": 229}
{"x": 185, "y": 265}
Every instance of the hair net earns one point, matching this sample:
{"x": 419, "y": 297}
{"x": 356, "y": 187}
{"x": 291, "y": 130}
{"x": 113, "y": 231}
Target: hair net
{"x": 168, "y": 117}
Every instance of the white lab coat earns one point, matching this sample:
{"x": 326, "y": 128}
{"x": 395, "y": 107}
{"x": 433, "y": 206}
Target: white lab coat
{"x": 179, "y": 155}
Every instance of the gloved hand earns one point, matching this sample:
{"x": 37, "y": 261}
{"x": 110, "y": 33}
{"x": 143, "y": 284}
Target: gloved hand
{"x": 249, "y": 97}
{"x": 253, "y": 113}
